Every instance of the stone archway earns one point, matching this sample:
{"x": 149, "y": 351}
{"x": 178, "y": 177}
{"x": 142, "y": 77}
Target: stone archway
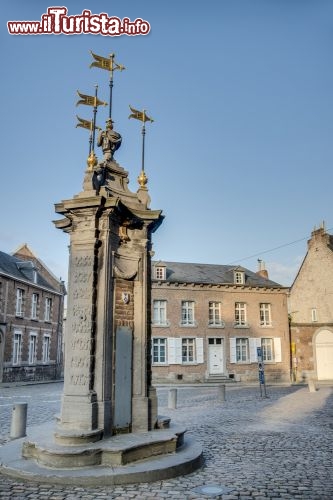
{"x": 324, "y": 354}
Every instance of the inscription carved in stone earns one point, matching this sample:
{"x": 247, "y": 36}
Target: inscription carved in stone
{"x": 79, "y": 379}
{"x": 80, "y": 344}
{"x": 79, "y": 362}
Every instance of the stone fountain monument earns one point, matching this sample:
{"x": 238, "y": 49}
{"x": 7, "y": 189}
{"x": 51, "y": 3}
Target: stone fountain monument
{"x": 108, "y": 431}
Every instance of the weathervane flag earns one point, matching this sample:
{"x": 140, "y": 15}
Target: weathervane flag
{"x": 140, "y": 115}
{"x": 86, "y": 124}
{"x": 90, "y": 100}
{"x": 110, "y": 65}
{"x": 105, "y": 63}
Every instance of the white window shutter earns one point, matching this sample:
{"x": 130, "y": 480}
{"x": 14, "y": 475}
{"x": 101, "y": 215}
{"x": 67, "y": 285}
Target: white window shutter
{"x": 253, "y": 344}
{"x": 174, "y": 351}
{"x": 232, "y": 350}
{"x": 277, "y": 350}
{"x": 171, "y": 351}
{"x": 199, "y": 348}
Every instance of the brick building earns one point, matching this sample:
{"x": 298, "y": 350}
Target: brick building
{"x": 208, "y": 320}
{"x": 31, "y": 312}
{"x": 311, "y": 311}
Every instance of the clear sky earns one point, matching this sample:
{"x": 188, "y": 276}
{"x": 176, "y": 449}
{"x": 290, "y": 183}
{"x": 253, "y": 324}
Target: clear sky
{"x": 239, "y": 157}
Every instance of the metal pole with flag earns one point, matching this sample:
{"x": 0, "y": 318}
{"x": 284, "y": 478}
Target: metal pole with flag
{"x": 110, "y": 65}
{"x": 89, "y": 126}
{"x": 143, "y": 117}
{"x": 95, "y": 102}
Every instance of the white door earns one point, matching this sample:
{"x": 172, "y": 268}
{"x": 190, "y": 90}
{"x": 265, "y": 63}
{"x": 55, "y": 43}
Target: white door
{"x": 215, "y": 356}
{"x": 324, "y": 355}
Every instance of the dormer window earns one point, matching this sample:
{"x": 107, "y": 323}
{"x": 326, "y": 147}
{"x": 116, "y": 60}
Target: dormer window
{"x": 160, "y": 272}
{"x": 239, "y": 277}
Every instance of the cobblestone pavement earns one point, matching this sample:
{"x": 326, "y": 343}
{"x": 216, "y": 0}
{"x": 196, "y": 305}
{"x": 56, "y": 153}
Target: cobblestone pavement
{"x": 254, "y": 448}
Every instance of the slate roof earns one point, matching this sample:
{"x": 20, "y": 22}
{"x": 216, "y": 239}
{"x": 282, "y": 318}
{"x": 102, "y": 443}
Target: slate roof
{"x": 214, "y": 274}
{"x": 22, "y": 270}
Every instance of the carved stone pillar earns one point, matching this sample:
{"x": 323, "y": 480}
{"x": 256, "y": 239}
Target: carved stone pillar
{"x": 107, "y": 345}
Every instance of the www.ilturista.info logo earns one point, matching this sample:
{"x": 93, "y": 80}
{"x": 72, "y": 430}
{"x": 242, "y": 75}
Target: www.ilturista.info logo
{"x": 56, "y": 22}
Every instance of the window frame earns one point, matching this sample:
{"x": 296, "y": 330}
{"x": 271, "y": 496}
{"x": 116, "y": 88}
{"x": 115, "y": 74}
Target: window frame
{"x": 34, "y": 305}
{"x": 314, "y": 315}
{"x": 159, "y": 343}
{"x": 46, "y": 347}
{"x": 160, "y": 273}
{"x": 160, "y": 312}
{"x": 188, "y": 344}
{"x": 265, "y": 314}
{"x": 239, "y": 277}
{"x": 242, "y": 342}
{"x": 48, "y": 309}
{"x": 240, "y": 315}
{"x": 215, "y": 314}
{"x": 187, "y": 313}
{"x": 267, "y": 348}
{"x": 32, "y": 354}
{"x": 19, "y": 302}
{"x": 17, "y": 347}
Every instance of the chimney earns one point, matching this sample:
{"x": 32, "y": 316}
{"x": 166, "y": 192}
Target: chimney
{"x": 318, "y": 236}
{"x": 262, "y": 271}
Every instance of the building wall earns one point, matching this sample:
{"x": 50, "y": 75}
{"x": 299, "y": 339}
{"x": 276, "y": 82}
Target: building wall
{"x": 311, "y": 308}
{"x": 40, "y": 368}
{"x": 313, "y": 287}
{"x": 227, "y": 295}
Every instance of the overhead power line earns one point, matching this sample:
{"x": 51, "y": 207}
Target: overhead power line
{"x": 258, "y": 254}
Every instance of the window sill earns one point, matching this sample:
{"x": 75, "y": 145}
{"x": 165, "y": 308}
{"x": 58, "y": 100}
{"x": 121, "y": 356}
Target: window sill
{"x": 161, "y": 325}
{"x": 242, "y": 326}
{"x": 266, "y": 326}
{"x": 221, "y": 325}
{"x": 194, "y": 325}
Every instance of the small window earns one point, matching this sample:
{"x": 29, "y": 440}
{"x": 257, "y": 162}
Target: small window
{"x": 214, "y": 314}
{"x": 267, "y": 349}
{"x": 242, "y": 350}
{"x": 188, "y": 354}
{"x": 159, "y": 350}
{"x": 240, "y": 314}
{"x": 265, "y": 315}
{"x": 239, "y": 277}
{"x": 46, "y": 349}
{"x": 48, "y": 309}
{"x": 160, "y": 272}
{"x": 159, "y": 312}
{"x": 34, "y": 306}
{"x": 17, "y": 346}
{"x": 19, "y": 302}
{"x": 314, "y": 317}
{"x": 32, "y": 348}
{"x": 187, "y": 313}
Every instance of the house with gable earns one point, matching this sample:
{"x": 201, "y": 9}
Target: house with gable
{"x": 208, "y": 321}
{"x": 31, "y": 318}
{"x": 311, "y": 311}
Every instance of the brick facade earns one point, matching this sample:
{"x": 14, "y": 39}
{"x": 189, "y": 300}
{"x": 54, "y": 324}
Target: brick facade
{"x": 219, "y": 340}
{"x": 31, "y": 312}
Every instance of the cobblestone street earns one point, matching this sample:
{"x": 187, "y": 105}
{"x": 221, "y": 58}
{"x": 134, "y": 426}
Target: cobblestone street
{"x": 275, "y": 447}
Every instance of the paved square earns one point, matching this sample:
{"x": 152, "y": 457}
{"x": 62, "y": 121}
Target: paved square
{"x": 279, "y": 447}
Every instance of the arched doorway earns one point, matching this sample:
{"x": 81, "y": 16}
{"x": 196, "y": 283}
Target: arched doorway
{"x": 324, "y": 354}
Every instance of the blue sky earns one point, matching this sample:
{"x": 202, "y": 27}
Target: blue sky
{"x": 239, "y": 157}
